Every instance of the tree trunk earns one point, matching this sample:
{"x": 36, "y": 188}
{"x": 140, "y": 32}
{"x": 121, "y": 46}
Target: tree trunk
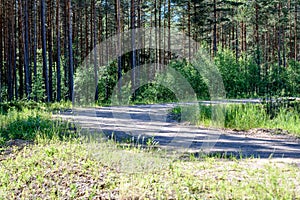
{"x": 58, "y": 71}
{"x": 35, "y": 45}
{"x": 50, "y": 51}
{"x": 133, "y": 52}
{"x": 169, "y": 30}
{"x": 65, "y": 49}
{"x": 189, "y": 29}
{"x": 9, "y": 55}
{"x": 44, "y": 50}
{"x": 119, "y": 47}
{"x": 215, "y": 30}
{"x": 81, "y": 30}
{"x": 290, "y": 30}
{"x": 236, "y": 43}
{"x": 15, "y": 39}
{"x": 21, "y": 53}
{"x": 71, "y": 69}
{"x": 257, "y": 34}
{"x": 279, "y": 38}
{"x": 95, "y": 54}
{"x": 86, "y": 31}
{"x": 295, "y": 32}
{"x": 1, "y": 51}
{"x": 26, "y": 51}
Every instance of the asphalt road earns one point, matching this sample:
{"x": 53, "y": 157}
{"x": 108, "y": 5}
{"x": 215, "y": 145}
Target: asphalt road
{"x": 153, "y": 121}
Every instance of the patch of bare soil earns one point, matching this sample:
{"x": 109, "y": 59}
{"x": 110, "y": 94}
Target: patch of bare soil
{"x": 266, "y": 133}
{"x": 13, "y": 146}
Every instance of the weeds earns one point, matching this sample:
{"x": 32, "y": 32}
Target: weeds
{"x": 72, "y": 170}
{"x": 31, "y": 124}
{"x": 248, "y": 116}
{"x": 101, "y": 169}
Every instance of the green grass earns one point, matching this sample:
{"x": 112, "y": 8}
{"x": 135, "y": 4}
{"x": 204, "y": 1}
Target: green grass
{"x": 32, "y": 124}
{"x": 32, "y": 105}
{"x": 57, "y": 166}
{"x": 72, "y": 170}
{"x": 245, "y": 117}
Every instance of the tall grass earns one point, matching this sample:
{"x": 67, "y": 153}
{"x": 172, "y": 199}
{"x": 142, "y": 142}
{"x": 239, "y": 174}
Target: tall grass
{"x": 26, "y": 123}
{"x": 245, "y": 116}
{"x": 248, "y": 116}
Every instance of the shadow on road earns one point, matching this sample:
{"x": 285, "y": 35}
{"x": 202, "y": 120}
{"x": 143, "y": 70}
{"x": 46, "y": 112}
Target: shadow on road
{"x": 150, "y": 121}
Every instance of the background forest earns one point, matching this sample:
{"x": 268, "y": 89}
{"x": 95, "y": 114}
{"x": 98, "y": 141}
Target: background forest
{"x": 54, "y": 53}
{"x": 255, "y": 44}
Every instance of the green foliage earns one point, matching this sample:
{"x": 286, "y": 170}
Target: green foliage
{"x": 66, "y": 170}
{"x": 240, "y": 77}
{"x": 249, "y": 116}
{"x": 22, "y": 121}
{"x": 26, "y": 128}
{"x": 84, "y": 85}
{"x": 20, "y": 106}
{"x": 153, "y": 93}
{"x": 293, "y": 78}
{"x": 244, "y": 78}
{"x": 38, "y": 85}
{"x": 193, "y": 77}
{"x": 107, "y": 83}
{"x": 5, "y": 107}
{"x": 245, "y": 117}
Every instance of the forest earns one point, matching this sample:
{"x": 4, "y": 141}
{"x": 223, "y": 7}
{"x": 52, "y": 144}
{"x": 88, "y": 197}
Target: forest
{"x": 135, "y": 99}
{"x": 255, "y": 44}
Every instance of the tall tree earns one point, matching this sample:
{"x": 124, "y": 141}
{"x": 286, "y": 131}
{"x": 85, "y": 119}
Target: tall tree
{"x": 215, "y": 28}
{"x": 95, "y": 50}
{"x": 58, "y": 71}
{"x": 119, "y": 45}
{"x": 71, "y": 66}
{"x": 44, "y": 49}
{"x": 1, "y": 50}
{"x": 26, "y": 50}
{"x": 296, "y": 32}
{"x": 50, "y": 57}
{"x": 35, "y": 44}
{"x": 133, "y": 48}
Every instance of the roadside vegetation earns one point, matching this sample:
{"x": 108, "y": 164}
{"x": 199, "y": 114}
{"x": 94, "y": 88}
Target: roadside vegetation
{"x": 282, "y": 118}
{"x": 71, "y": 170}
{"x": 31, "y": 121}
{"x": 56, "y": 163}
{"x": 46, "y": 56}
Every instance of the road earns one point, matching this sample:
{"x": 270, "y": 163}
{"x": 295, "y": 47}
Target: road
{"x": 152, "y": 121}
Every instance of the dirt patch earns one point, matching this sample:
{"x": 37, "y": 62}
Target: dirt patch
{"x": 266, "y": 133}
{"x": 12, "y": 146}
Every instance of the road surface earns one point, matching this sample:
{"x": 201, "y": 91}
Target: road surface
{"x": 153, "y": 121}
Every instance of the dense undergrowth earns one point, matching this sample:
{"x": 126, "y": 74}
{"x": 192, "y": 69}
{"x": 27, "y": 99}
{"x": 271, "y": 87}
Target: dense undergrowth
{"x": 31, "y": 121}
{"x": 247, "y": 116}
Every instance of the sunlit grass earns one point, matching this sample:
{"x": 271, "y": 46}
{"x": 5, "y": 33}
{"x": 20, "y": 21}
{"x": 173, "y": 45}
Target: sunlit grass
{"x": 245, "y": 117}
{"x": 77, "y": 169}
{"x": 59, "y": 167}
{"x": 31, "y": 124}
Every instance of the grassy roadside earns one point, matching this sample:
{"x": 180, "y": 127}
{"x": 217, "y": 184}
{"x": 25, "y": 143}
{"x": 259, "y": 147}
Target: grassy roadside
{"x": 70, "y": 170}
{"x": 56, "y": 166}
{"x": 31, "y": 121}
{"x": 245, "y": 117}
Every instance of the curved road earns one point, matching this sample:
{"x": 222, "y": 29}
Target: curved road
{"x": 148, "y": 121}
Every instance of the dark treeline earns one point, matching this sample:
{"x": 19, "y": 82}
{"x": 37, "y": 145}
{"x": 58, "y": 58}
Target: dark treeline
{"x": 42, "y": 42}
